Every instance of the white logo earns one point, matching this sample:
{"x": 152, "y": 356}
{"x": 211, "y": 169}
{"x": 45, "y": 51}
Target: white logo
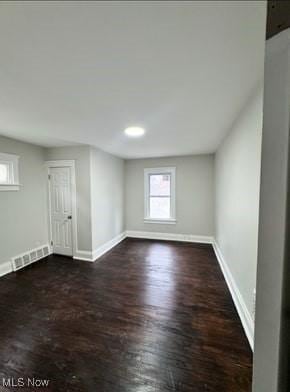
{"x": 24, "y": 382}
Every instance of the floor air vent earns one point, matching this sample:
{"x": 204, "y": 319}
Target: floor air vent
{"x": 17, "y": 263}
{"x": 33, "y": 256}
{"x": 26, "y": 259}
{"x": 45, "y": 251}
{"x": 30, "y": 257}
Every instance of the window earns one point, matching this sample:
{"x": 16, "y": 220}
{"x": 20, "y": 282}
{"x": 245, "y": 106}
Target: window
{"x": 4, "y": 173}
{"x": 9, "y": 172}
{"x": 159, "y": 186}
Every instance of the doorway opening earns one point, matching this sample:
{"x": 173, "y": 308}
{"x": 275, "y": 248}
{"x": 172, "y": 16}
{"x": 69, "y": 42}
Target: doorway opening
{"x": 62, "y": 207}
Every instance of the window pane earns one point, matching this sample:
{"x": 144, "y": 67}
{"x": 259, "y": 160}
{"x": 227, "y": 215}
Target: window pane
{"x": 3, "y": 173}
{"x": 160, "y": 207}
{"x": 159, "y": 184}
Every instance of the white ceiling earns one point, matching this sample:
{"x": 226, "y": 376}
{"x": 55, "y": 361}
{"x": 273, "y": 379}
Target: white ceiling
{"x": 81, "y": 72}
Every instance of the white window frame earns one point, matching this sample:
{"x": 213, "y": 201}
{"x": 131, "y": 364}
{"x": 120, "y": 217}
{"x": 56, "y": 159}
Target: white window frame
{"x": 163, "y": 171}
{"x": 12, "y": 161}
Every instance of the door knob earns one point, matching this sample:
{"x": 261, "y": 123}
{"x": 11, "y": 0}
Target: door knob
{"x": 69, "y": 217}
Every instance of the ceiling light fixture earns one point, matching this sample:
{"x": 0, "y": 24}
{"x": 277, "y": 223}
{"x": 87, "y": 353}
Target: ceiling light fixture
{"x": 134, "y": 131}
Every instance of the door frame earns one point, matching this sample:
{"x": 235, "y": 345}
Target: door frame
{"x": 71, "y": 165}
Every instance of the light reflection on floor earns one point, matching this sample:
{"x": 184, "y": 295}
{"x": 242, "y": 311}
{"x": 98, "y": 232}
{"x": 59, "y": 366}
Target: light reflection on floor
{"x": 160, "y": 281}
{"x": 160, "y": 297}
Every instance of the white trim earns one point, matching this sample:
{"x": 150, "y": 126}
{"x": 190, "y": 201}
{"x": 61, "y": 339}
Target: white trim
{"x": 244, "y": 314}
{"x": 160, "y": 170}
{"x": 161, "y": 221}
{"x": 170, "y": 236}
{"x": 7, "y": 157}
{"x": 5, "y": 268}
{"x": 9, "y": 187}
{"x": 84, "y": 255}
{"x": 71, "y": 165}
{"x": 101, "y": 250}
{"x": 12, "y": 162}
{"x": 60, "y": 163}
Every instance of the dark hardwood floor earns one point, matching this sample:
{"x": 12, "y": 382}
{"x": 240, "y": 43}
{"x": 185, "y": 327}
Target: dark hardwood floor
{"x": 149, "y": 316}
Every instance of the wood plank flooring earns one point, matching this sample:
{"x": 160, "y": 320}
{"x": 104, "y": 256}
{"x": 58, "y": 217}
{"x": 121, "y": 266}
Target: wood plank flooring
{"x": 149, "y": 316}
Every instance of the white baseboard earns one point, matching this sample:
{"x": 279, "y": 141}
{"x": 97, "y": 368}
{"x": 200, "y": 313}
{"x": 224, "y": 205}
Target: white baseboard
{"x": 84, "y": 255}
{"x": 244, "y": 314}
{"x": 101, "y": 250}
{"x": 170, "y": 236}
{"x": 5, "y": 268}
{"x": 108, "y": 246}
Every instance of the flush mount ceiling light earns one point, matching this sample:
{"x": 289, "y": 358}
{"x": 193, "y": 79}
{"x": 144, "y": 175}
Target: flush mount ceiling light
{"x": 134, "y": 131}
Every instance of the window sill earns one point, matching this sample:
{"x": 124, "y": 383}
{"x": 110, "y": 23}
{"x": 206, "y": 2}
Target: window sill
{"x": 161, "y": 221}
{"x": 9, "y": 187}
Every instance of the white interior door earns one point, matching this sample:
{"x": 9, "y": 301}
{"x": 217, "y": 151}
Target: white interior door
{"x": 61, "y": 210}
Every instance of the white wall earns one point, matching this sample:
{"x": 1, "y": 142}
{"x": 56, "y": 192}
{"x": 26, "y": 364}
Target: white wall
{"x": 194, "y": 195}
{"x": 100, "y": 194}
{"x": 23, "y": 213}
{"x": 107, "y": 196}
{"x": 273, "y": 217}
{"x": 237, "y": 178}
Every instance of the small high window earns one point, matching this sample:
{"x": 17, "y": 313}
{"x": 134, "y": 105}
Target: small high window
{"x": 159, "y": 186}
{"x": 9, "y": 179}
